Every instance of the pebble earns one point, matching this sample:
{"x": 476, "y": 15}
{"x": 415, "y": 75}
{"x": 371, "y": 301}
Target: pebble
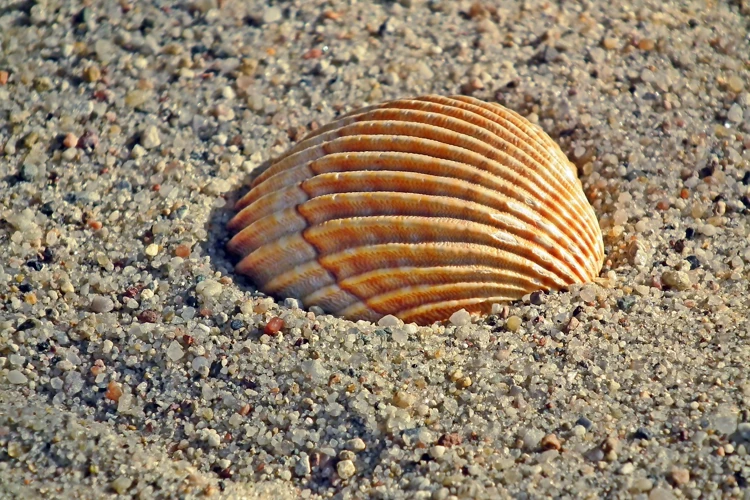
{"x": 121, "y": 484}
{"x": 680, "y": 476}
{"x": 16, "y": 377}
{"x": 174, "y": 351}
{"x": 676, "y": 279}
{"x": 272, "y": 15}
{"x": 626, "y": 469}
{"x": 150, "y": 138}
{"x": 345, "y": 469}
{"x": 460, "y": 318}
{"x": 735, "y": 113}
{"x": 513, "y": 323}
{"x": 356, "y": 444}
{"x": 208, "y": 288}
{"x": 101, "y": 304}
{"x": 152, "y": 250}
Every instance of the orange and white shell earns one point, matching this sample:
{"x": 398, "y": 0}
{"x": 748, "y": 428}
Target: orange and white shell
{"x": 418, "y": 208}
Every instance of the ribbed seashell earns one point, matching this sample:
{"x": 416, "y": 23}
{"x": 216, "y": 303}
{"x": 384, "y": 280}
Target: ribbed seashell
{"x": 418, "y": 208}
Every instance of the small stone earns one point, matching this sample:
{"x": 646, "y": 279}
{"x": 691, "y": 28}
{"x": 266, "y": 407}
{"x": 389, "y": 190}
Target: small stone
{"x": 743, "y": 431}
{"x": 389, "y": 321}
{"x": 274, "y": 326}
{"x": 460, "y": 318}
{"x": 550, "y": 442}
{"x": 70, "y": 140}
{"x": 437, "y": 452}
{"x": 513, "y": 323}
{"x": 676, "y": 279}
{"x": 627, "y": 469}
{"x": 148, "y": 316}
{"x": 101, "y": 304}
{"x": 403, "y": 399}
{"x": 150, "y": 137}
{"x": 137, "y": 152}
{"x": 16, "y": 377}
{"x": 208, "y": 288}
{"x": 272, "y": 15}
{"x": 356, "y": 445}
{"x": 121, "y": 484}
{"x": 114, "y": 391}
{"x": 537, "y": 298}
{"x": 588, "y": 293}
{"x": 92, "y": 74}
{"x": 735, "y": 84}
{"x": 661, "y": 494}
{"x": 302, "y": 467}
{"x": 152, "y": 250}
{"x": 174, "y": 351}
{"x": 735, "y": 113}
{"x": 680, "y": 476}
{"x": 625, "y": 303}
{"x": 573, "y": 324}
{"x": 345, "y": 469}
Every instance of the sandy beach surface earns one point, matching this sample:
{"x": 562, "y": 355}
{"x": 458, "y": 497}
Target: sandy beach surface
{"x": 134, "y": 361}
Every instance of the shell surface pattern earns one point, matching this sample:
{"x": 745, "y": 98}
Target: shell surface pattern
{"x": 418, "y": 208}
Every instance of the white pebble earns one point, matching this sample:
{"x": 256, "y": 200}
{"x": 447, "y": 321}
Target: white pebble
{"x": 389, "y": 320}
{"x": 174, "y": 351}
{"x": 16, "y": 377}
{"x": 208, "y": 288}
{"x": 345, "y": 469}
{"x": 150, "y": 137}
{"x": 460, "y": 318}
{"x": 152, "y": 250}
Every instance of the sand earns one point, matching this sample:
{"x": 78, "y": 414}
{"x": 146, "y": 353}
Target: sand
{"x": 133, "y": 361}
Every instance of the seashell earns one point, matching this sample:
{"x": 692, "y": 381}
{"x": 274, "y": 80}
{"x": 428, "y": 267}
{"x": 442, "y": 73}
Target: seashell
{"x": 418, "y": 208}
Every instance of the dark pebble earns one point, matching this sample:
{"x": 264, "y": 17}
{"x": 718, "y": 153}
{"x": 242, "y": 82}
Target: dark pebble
{"x": 26, "y": 325}
{"x": 48, "y": 255}
{"x": 191, "y": 301}
{"x": 578, "y": 310}
{"x": 643, "y": 433}
{"x": 42, "y": 346}
{"x": 585, "y": 423}
{"x": 745, "y": 201}
{"x": 537, "y": 298}
{"x": 706, "y": 172}
{"x": 689, "y": 233}
{"x": 625, "y": 303}
{"x": 35, "y": 265}
{"x": 25, "y": 288}
{"x": 236, "y": 324}
{"x": 679, "y": 246}
{"x": 694, "y": 262}
{"x": 746, "y": 178}
{"x": 47, "y": 209}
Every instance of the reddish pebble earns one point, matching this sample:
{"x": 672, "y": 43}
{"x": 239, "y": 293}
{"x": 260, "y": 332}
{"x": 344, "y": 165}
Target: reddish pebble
{"x": 662, "y": 205}
{"x": 113, "y": 391}
{"x": 70, "y": 140}
{"x": 188, "y": 340}
{"x": 450, "y": 440}
{"x": 245, "y": 410}
{"x": 684, "y": 193}
{"x": 312, "y": 54}
{"x": 156, "y": 187}
{"x": 182, "y": 251}
{"x": 98, "y": 367}
{"x": 148, "y": 316}
{"x": 94, "y": 224}
{"x": 4, "y": 77}
{"x": 274, "y": 326}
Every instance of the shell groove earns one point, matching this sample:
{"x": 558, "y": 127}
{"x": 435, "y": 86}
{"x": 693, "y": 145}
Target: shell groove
{"x": 418, "y": 208}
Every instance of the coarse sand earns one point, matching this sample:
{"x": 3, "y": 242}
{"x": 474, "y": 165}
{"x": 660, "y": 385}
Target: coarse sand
{"x": 133, "y": 361}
